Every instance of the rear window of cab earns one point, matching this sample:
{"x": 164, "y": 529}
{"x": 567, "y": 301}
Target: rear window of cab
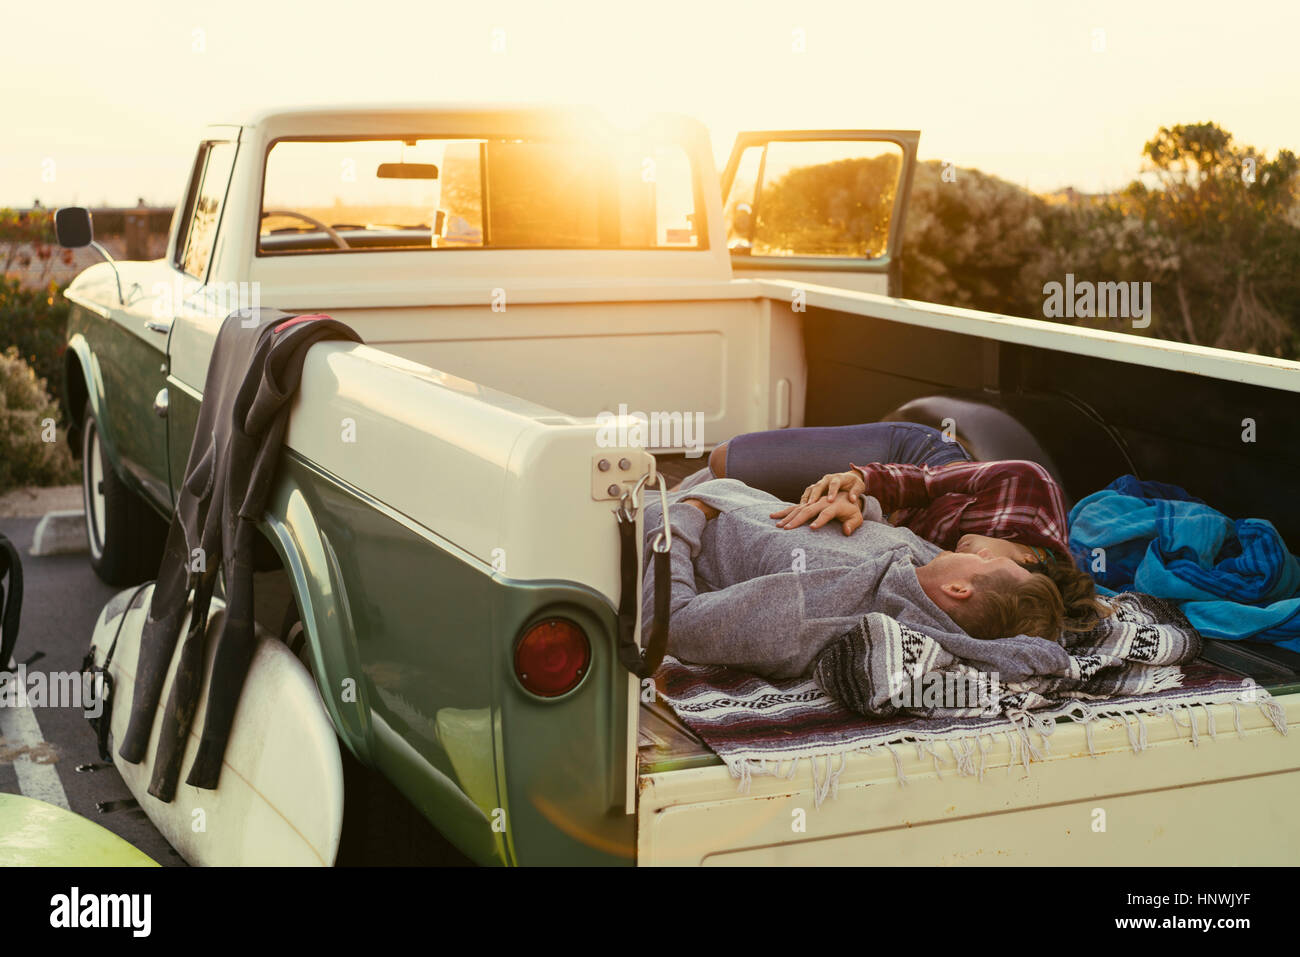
{"x": 355, "y": 195}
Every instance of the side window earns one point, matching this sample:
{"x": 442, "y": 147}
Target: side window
{"x": 199, "y": 229}
{"x": 814, "y": 198}
{"x": 186, "y": 212}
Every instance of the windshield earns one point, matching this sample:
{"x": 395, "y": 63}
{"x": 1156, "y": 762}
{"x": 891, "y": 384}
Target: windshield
{"x": 339, "y": 196}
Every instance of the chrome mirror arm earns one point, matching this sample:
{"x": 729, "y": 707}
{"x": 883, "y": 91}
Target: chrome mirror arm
{"x": 121, "y": 300}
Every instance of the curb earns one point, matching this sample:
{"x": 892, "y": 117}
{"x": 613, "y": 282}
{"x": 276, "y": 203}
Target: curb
{"x": 60, "y": 533}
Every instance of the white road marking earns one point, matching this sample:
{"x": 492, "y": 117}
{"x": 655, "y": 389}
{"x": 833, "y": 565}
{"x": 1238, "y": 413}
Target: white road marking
{"x": 19, "y": 727}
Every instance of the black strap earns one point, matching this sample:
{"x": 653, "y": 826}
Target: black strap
{"x": 10, "y": 565}
{"x": 102, "y": 723}
{"x": 108, "y": 658}
{"x": 643, "y": 665}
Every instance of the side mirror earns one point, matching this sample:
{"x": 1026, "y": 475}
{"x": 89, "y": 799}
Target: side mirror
{"x": 72, "y": 227}
{"x": 72, "y": 230}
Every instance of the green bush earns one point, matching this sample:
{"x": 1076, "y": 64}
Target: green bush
{"x": 1217, "y": 236}
{"x": 35, "y": 321}
{"x": 33, "y": 451}
{"x": 975, "y": 241}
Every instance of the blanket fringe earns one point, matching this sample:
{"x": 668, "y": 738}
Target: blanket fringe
{"x": 1273, "y": 711}
{"x": 835, "y": 778}
{"x": 984, "y": 752}
{"x": 898, "y": 764}
{"x": 929, "y": 746}
{"x": 970, "y": 751}
{"x": 924, "y": 747}
{"x": 819, "y": 789}
{"x": 959, "y": 753}
{"x": 1129, "y": 729}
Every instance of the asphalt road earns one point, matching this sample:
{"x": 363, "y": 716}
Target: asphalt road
{"x": 61, "y": 600}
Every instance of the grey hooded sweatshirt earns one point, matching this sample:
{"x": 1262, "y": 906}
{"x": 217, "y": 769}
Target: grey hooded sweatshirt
{"x": 753, "y": 596}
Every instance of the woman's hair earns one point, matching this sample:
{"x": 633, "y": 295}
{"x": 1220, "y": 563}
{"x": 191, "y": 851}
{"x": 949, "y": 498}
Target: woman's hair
{"x": 1083, "y": 608}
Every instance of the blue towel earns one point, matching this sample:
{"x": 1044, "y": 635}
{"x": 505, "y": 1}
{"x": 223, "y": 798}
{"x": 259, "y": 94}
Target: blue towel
{"x": 1232, "y": 579}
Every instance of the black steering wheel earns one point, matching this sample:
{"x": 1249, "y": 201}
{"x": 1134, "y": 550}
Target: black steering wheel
{"x": 330, "y": 231}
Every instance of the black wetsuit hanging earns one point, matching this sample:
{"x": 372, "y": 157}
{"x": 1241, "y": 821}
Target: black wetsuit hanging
{"x": 253, "y": 375}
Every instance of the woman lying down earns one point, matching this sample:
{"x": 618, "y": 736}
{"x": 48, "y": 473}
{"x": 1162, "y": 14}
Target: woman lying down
{"x": 763, "y": 582}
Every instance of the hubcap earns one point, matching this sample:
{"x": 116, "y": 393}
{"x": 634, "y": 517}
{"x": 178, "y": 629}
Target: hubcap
{"x": 92, "y": 471}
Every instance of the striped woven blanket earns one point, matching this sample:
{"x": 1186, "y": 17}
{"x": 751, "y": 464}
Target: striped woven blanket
{"x": 884, "y": 685}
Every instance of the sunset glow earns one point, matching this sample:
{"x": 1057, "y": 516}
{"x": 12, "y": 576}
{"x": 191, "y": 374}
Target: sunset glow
{"x": 1043, "y": 95}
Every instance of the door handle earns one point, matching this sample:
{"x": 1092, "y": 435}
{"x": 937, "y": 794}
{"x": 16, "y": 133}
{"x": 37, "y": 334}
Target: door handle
{"x": 160, "y": 402}
{"x": 154, "y": 326}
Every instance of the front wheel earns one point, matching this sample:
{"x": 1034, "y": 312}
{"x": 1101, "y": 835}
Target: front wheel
{"x": 126, "y": 538}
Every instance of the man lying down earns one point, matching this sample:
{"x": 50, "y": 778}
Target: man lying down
{"x": 749, "y": 594}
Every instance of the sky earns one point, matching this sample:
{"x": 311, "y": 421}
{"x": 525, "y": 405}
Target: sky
{"x": 103, "y": 103}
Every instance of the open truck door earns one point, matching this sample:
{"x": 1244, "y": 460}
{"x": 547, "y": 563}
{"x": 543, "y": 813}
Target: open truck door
{"x": 824, "y": 207}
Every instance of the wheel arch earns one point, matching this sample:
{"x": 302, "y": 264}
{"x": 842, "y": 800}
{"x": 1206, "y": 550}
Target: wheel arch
{"x": 1071, "y": 441}
{"x": 83, "y": 381}
{"x": 320, "y": 593}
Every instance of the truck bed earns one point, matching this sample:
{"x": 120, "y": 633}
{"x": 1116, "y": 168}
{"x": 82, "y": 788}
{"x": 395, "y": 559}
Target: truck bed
{"x": 665, "y": 743}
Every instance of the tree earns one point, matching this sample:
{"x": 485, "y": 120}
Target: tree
{"x": 842, "y": 208}
{"x": 1230, "y": 215}
{"x": 974, "y": 240}
{"x": 1214, "y": 227}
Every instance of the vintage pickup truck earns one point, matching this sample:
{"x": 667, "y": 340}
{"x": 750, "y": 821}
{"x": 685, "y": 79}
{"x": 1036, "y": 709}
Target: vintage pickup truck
{"x": 445, "y": 500}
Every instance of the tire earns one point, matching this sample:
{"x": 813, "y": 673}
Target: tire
{"x": 984, "y": 430}
{"x": 381, "y": 828}
{"x": 125, "y": 535}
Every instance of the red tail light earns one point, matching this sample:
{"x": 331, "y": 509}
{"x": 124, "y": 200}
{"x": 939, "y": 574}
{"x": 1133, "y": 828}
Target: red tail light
{"x": 551, "y": 657}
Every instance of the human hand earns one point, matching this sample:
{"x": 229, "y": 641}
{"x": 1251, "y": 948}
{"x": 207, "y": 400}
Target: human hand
{"x": 821, "y": 511}
{"x": 830, "y": 485}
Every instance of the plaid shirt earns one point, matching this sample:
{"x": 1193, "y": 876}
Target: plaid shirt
{"x": 1015, "y": 500}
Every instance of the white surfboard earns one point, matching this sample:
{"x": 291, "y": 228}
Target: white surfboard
{"x": 280, "y": 797}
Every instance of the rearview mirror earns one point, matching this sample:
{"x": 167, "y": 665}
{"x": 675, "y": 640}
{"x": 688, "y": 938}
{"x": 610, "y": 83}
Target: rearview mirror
{"x": 407, "y": 171}
{"x": 72, "y": 227}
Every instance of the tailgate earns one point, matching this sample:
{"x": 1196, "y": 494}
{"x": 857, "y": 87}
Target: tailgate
{"x": 1226, "y": 800}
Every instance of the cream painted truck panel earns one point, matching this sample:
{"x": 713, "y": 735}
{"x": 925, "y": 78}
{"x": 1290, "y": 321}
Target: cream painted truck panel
{"x": 720, "y": 351}
{"x": 1228, "y": 800}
